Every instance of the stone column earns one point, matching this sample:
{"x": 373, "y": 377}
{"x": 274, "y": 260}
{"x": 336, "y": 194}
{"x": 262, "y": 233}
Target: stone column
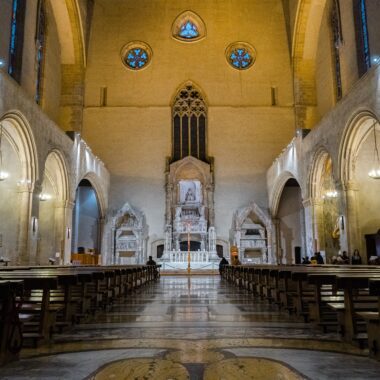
{"x": 26, "y": 252}
{"x": 210, "y": 204}
{"x": 277, "y": 248}
{"x": 352, "y": 229}
{"x": 63, "y": 230}
{"x": 314, "y": 232}
{"x": 169, "y": 194}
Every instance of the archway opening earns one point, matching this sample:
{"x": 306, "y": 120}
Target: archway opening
{"x": 327, "y": 210}
{"x": 86, "y": 218}
{"x": 11, "y": 182}
{"x": 53, "y": 198}
{"x": 367, "y": 192}
{"x": 290, "y": 216}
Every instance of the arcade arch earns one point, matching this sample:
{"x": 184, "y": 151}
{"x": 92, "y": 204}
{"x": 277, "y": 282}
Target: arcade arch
{"x": 19, "y": 172}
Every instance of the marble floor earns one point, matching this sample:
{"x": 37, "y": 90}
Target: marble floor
{"x": 196, "y": 327}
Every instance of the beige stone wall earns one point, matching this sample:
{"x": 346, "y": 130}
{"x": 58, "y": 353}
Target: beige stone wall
{"x": 325, "y": 66}
{"x": 133, "y": 133}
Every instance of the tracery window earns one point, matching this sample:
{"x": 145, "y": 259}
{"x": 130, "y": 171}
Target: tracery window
{"x": 136, "y": 55}
{"x": 362, "y": 36}
{"x": 40, "y": 48}
{"x": 189, "y": 30}
{"x": 188, "y": 27}
{"x": 16, "y": 39}
{"x": 240, "y": 55}
{"x": 337, "y": 40}
{"x": 189, "y": 115}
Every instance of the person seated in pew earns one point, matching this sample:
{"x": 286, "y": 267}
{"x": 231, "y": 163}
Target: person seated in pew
{"x": 305, "y": 260}
{"x": 346, "y": 259}
{"x": 356, "y": 258}
{"x": 317, "y": 258}
{"x": 151, "y": 261}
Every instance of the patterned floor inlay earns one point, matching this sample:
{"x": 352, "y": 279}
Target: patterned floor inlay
{"x": 193, "y": 328}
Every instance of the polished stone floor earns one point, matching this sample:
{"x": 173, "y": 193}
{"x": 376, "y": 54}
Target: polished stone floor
{"x": 194, "y": 327}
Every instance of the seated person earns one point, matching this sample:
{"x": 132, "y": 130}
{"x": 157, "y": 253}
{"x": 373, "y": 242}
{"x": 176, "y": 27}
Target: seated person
{"x": 150, "y": 261}
{"x": 306, "y": 260}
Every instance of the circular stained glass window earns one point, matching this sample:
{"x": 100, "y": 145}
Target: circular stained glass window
{"x": 240, "y": 55}
{"x": 136, "y": 55}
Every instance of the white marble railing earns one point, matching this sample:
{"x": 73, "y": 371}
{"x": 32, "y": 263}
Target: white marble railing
{"x": 181, "y": 256}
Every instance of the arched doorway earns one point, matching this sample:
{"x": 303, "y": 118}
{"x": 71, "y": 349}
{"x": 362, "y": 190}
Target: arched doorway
{"x": 326, "y": 206}
{"x": 358, "y": 159}
{"x": 52, "y": 218}
{"x": 290, "y": 223}
{"x": 86, "y": 232}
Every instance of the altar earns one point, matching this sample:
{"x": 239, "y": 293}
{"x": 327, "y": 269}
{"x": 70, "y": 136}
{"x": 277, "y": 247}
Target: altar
{"x": 189, "y": 232}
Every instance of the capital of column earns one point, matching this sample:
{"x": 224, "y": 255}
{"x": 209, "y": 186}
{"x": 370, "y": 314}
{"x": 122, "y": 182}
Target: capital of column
{"x": 312, "y": 202}
{"x": 350, "y": 186}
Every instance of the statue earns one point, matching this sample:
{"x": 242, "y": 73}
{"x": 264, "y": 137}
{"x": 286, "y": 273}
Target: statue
{"x": 190, "y": 196}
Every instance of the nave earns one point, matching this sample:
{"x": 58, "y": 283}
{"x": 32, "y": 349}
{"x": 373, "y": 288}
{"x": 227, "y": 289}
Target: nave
{"x": 197, "y": 327}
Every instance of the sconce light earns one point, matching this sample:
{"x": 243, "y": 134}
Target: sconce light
{"x": 44, "y": 197}
{"x": 331, "y": 194}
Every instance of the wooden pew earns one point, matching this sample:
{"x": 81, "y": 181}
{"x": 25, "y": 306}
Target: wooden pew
{"x": 10, "y": 324}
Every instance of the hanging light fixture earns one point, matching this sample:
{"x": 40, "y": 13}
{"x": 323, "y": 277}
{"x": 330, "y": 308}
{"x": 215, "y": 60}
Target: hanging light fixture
{"x": 3, "y": 174}
{"x": 375, "y": 171}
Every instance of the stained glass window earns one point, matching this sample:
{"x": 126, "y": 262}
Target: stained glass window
{"x": 136, "y": 55}
{"x": 362, "y": 38}
{"x": 16, "y": 39}
{"x": 40, "y": 49}
{"x": 188, "y": 27}
{"x": 240, "y": 55}
{"x": 189, "y": 30}
{"x": 137, "y": 58}
{"x": 189, "y": 124}
{"x": 338, "y": 40}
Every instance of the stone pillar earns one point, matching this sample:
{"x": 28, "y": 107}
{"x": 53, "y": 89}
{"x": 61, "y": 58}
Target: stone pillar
{"x": 27, "y": 228}
{"x": 277, "y": 248}
{"x": 169, "y": 194}
{"x": 352, "y": 229}
{"x": 210, "y": 204}
{"x": 314, "y": 232}
{"x": 63, "y": 230}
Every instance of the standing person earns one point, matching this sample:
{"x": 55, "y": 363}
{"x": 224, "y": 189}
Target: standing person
{"x": 222, "y": 263}
{"x": 356, "y": 258}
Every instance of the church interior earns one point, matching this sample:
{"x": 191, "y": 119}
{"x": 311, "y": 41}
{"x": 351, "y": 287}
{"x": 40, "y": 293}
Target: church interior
{"x": 142, "y": 142}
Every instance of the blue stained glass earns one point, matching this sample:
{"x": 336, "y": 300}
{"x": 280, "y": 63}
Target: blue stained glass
{"x": 240, "y": 58}
{"x": 363, "y": 14}
{"x": 188, "y": 30}
{"x": 137, "y": 58}
{"x": 12, "y": 47}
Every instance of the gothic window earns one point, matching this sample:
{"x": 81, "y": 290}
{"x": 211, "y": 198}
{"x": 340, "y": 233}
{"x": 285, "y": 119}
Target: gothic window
{"x": 136, "y": 55}
{"x": 189, "y": 30}
{"x": 189, "y": 124}
{"x": 40, "y": 48}
{"x": 362, "y": 37}
{"x": 16, "y": 39}
{"x": 337, "y": 43}
{"x": 188, "y": 27}
{"x": 240, "y": 55}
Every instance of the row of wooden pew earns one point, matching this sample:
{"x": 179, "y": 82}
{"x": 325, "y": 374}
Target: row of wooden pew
{"x": 340, "y": 298}
{"x": 36, "y": 302}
